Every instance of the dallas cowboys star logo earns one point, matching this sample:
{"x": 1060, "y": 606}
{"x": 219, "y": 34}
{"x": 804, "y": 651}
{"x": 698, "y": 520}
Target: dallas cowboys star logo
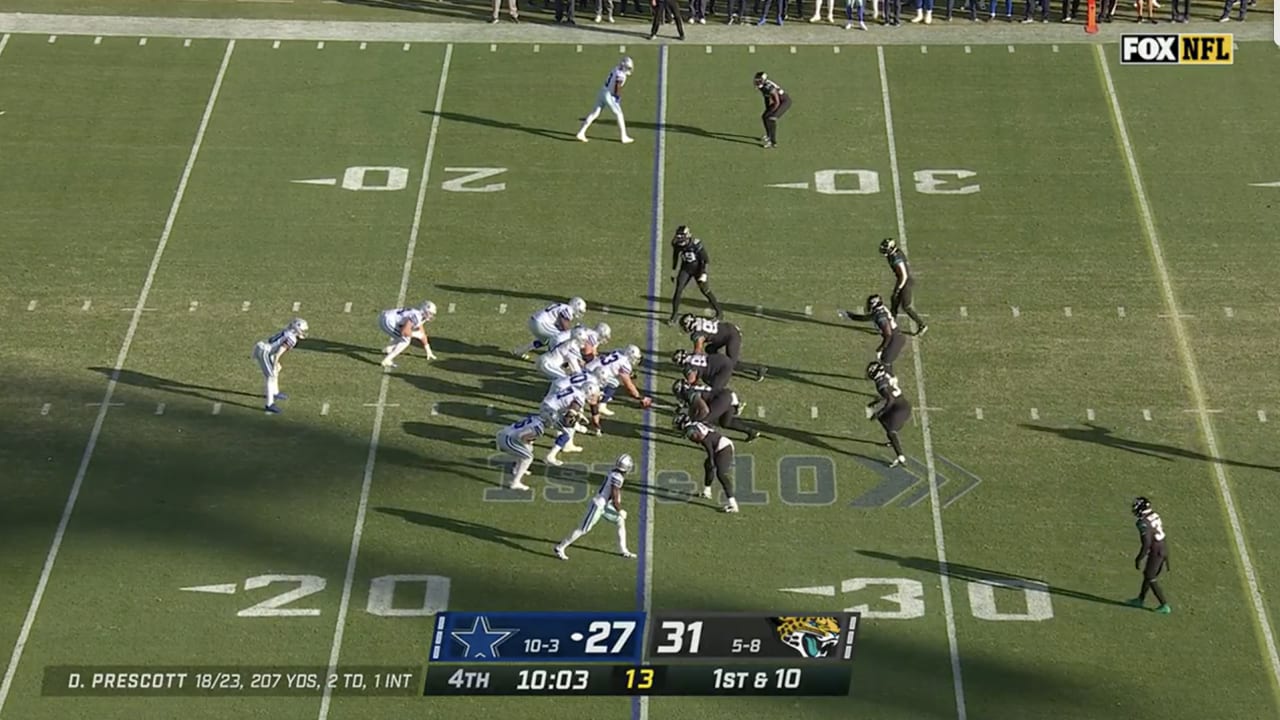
{"x": 481, "y": 641}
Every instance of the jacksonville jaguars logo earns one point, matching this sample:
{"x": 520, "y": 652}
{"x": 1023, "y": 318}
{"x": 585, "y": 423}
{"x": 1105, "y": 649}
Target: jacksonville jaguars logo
{"x": 812, "y": 637}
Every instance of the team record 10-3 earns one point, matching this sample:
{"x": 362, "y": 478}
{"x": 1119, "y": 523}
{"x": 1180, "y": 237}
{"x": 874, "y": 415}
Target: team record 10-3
{"x": 668, "y": 653}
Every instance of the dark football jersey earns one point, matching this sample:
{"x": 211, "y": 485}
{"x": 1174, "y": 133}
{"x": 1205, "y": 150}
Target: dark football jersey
{"x": 710, "y": 330}
{"x": 897, "y": 258}
{"x": 882, "y": 318}
{"x": 887, "y": 387}
{"x": 691, "y": 258}
{"x": 1151, "y": 531}
{"x": 769, "y": 87}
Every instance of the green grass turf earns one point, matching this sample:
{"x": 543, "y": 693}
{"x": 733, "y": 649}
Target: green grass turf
{"x": 94, "y": 142}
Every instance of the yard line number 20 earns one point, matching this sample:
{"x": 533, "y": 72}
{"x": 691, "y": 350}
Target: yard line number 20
{"x": 382, "y": 591}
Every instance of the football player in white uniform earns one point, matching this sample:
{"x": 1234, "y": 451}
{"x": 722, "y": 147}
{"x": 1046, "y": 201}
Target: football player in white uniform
{"x": 607, "y": 504}
{"x": 610, "y": 96}
{"x": 566, "y": 357}
{"x": 564, "y": 405}
{"x": 516, "y": 441}
{"x": 267, "y": 354}
{"x": 595, "y": 338}
{"x": 548, "y": 323}
{"x": 615, "y": 368}
{"x": 405, "y": 325}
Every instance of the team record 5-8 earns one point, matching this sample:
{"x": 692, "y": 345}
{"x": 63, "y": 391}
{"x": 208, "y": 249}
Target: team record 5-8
{"x": 633, "y": 654}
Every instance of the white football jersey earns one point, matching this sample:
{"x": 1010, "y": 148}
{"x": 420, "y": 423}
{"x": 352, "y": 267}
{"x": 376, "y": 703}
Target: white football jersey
{"x": 576, "y": 381}
{"x": 413, "y": 316}
{"x": 568, "y": 352}
{"x": 608, "y": 367}
{"x": 559, "y": 400}
{"x": 529, "y": 423}
{"x": 613, "y": 480}
{"x": 554, "y": 313}
{"x": 617, "y": 78}
{"x": 281, "y": 341}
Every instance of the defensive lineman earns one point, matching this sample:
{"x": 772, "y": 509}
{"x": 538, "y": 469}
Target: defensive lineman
{"x": 719, "y": 457}
{"x": 516, "y": 441}
{"x": 405, "y": 325}
{"x": 607, "y": 504}
{"x": 547, "y": 324}
{"x": 267, "y": 354}
{"x": 713, "y": 336}
{"x": 610, "y": 96}
{"x": 903, "y": 284}
{"x": 690, "y": 257}
{"x": 1153, "y": 550}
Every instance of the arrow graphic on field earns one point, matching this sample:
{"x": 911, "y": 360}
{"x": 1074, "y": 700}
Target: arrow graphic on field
{"x": 1266, "y": 184}
{"x": 791, "y": 186}
{"x": 823, "y": 590}
{"x": 223, "y": 589}
{"x": 898, "y": 480}
{"x": 316, "y": 181}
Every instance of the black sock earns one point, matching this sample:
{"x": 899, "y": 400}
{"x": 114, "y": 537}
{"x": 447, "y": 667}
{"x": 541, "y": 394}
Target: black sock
{"x": 894, "y": 441}
{"x": 711, "y": 298}
{"x": 1155, "y": 588}
{"x": 911, "y": 312}
{"x": 1142, "y": 594}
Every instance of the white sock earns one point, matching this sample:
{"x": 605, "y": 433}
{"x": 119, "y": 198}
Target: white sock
{"x": 520, "y": 470}
{"x": 622, "y": 536}
{"x": 622, "y": 125}
{"x": 273, "y": 389}
{"x": 590, "y": 118}
{"x": 393, "y": 350}
{"x": 573, "y": 537}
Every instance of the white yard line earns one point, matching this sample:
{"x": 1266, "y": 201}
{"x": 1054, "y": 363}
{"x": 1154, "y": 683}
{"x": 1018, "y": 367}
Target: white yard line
{"x": 655, "y": 270}
{"x": 1192, "y": 373}
{"x": 25, "y": 633}
{"x": 934, "y": 504}
{"x": 362, "y": 508}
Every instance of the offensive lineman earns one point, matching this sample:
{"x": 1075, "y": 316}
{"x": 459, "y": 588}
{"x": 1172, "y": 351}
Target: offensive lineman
{"x": 895, "y": 410}
{"x": 516, "y": 441}
{"x": 566, "y": 357}
{"x": 549, "y": 322}
{"x": 719, "y": 457}
{"x": 891, "y": 339}
{"x": 903, "y": 283}
{"x": 610, "y": 96}
{"x": 405, "y": 325}
{"x": 607, "y": 504}
{"x": 690, "y": 257}
{"x": 566, "y": 401}
{"x": 1153, "y": 549}
{"x": 615, "y": 368}
{"x": 268, "y": 352}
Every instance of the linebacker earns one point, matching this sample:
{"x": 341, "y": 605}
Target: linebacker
{"x": 891, "y": 339}
{"x": 904, "y": 282}
{"x": 607, "y": 504}
{"x": 894, "y": 410}
{"x": 719, "y": 457}
{"x": 1153, "y": 550}
{"x": 690, "y": 257}
{"x": 776, "y": 104}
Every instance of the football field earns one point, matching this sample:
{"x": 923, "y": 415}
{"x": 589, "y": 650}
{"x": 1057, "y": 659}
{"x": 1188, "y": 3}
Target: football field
{"x": 1095, "y": 252}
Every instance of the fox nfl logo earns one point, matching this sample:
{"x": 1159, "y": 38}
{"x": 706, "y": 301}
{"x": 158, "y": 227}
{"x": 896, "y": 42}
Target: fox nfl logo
{"x": 1176, "y": 49}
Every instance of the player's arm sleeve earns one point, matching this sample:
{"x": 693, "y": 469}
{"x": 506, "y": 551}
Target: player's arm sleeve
{"x": 856, "y": 317}
{"x": 675, "y": 256}
{"x": 901, "y": 271}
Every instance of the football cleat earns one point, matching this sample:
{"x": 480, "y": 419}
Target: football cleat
{"x": 887, "y": 246}
{"x": 624, "y": 464}
{"x": 273, "y": 409}
{"x": 560, "y": 552}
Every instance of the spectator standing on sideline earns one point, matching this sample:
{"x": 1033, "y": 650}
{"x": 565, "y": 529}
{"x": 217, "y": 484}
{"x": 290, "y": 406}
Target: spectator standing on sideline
{"x": 564, "y": 11}
{"x": 736, "y": 12}
{"x": 892, "y": 12}
{"x": 599, "y": 3}
{"x": 817, "y": 11}
{"x": 782, "y": 11}
{"x": 665, "y": 6}
{"x": 1030, "y": 11}
{"x": 512, "y": 11}
{"x": 924, "y": 11}
{"x": 848, "y": 14}
{"x": 698, "y": 11}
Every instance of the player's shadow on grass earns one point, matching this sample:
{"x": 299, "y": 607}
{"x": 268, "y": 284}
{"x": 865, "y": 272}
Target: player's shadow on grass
{"x": 1099, "y": 435}
{"x": 448, "y": 434}
{"x": 740, "y": 310}
{"x": 355, "y": 352}
{"x": 495, "y": 394}
{"x": 542, "y": 299}
{"x": 561, "y": 135}
{"x": 980, "y": 575}
{"x": 447, "y": 346}
{"x": 697, "y": 131}
{"x": 479, "y": 531}
{"x": 481, "y": 413}
{"x": 153, "y": 382}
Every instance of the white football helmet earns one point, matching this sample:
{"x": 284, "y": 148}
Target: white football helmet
{"x": 624, "y": 464}
{"x": 577, "y": 306}
{"x": 578, "y": 335}
{"x": 633, "y": 353}
{"x": 428, "y": 309}
{"x": 592, "y": 389}
{"x": 299, "y": 326}
{"x": 604, "y": 331}
{"x": 626, "y": 63}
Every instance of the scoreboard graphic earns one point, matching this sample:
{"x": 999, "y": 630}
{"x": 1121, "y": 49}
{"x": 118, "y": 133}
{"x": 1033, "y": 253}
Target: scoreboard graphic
{"x": 666, "y": 653}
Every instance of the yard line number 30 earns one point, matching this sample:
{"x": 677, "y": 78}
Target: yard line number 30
{"x": 908, "y": 596}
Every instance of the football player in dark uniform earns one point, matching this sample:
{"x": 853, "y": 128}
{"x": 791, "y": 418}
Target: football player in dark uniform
{"x": 894, "y": 410}
{"x": 892, "y": 339}
{"x": 690, "y": 258}
{"x": 719, "y": 460}
{"x": 713, "y": 336}
{"x": 1153, "y": 550}
{"x": 713, "y": 370}
{"x": 903, "y": 283}
{"x": 776, "y": 104}
{"x": 708, "y": 405}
